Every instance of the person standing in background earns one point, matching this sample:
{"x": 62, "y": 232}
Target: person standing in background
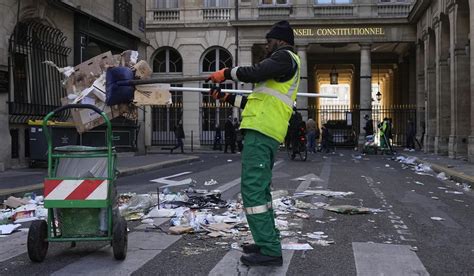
{"x": 313, "y": 134}
{"x": 179, "y": 136}
{"x": 229, "y": 135}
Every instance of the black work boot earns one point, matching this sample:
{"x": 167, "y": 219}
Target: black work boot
{"x": 250, "y": 248}
{"x": 257, "y": 259}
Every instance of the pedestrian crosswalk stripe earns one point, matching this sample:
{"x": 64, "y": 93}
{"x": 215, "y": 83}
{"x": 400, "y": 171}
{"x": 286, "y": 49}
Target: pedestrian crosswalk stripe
{"x": 142, "y": 247}
{"x": 386, "y": 259}
{"x": 231, "y": 265}
{"x": 13, "y": 245}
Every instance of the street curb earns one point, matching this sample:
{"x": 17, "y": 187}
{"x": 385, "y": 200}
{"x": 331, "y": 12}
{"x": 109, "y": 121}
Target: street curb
{"x": 455, "y": 175}
{"x": 122, "y": 173}
{"x": 159, "y": 165}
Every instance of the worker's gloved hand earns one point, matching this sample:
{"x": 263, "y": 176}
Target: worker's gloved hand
{"x": 216, "y": 93}
{"x": 218, "y": 76}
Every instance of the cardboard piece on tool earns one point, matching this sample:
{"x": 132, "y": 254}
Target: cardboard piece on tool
{"x": 86, "y": 119}
{"x": 152, "y": 94}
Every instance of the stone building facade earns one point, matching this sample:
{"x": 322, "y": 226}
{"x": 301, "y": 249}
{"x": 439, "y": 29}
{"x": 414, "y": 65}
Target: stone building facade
{"x": 415, "y": 52}
{"x": 445, "y": 91}
{"x": 67, "y": 32}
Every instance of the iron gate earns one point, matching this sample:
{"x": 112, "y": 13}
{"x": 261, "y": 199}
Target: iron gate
{"x": 344, "y": 124}
{"x": 213, "y": 114}
{"x": 37, "y": 87}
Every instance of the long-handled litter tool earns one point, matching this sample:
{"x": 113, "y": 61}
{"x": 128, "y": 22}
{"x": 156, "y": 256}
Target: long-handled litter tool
{"x": 120, "y": 86}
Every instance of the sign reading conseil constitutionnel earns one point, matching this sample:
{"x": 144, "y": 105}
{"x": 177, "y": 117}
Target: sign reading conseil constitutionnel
{"x": 339, "y": 31}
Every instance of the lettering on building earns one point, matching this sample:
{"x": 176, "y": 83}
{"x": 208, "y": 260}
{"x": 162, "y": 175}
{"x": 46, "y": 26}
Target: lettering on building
{"x": 359, "y": 31}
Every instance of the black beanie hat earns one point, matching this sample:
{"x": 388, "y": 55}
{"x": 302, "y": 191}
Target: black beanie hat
{"x": 282, "y": 31}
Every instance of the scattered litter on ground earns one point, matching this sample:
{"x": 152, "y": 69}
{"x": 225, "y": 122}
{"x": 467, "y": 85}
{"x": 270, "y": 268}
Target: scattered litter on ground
{"x": 302, "y": 215}
{"x": 442, "y": 176}
{"x": 7, "y": 229}
{"x": 414, "y": 248}
{"x": 323, "y": 193}
{"x": 435, "y": 197}
{"x": 148, "y": 221}
{"x": 188, "y": 251}
{"x": 15, "y": 202}
{"x": 229, "y": 160}
{"x": 210, "y": 182}
{"x": 387, "y": 166}
{"x": 442, "y": 188}
{"x": 454, "y": 192}
{"x": 419, "y": 183}
{"x": 351, "y": 210}
{"x": 296, "y": 246}
{"x": 322, "y": 242}
{"x": 437, "y": 218}
{"x": 236, "y": 246}
{"x": 279, "y": 194}
{"x": 423, "y": 168}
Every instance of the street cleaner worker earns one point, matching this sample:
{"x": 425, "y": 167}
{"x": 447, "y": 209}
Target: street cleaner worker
{"x": 265, "y": 116}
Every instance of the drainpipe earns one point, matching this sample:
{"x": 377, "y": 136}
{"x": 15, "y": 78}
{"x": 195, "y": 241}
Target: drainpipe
{"x": 236, "y": 111}
{"x": 236, "y": 33}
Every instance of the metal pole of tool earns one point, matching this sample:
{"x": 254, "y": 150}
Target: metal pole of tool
{"x": 237, "y": 91}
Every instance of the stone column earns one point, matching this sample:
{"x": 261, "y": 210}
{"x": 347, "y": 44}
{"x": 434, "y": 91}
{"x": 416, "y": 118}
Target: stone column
{"x": 148, "y": 127}
{"x": 460, "y": 122}
{"x": 420, "y": 92}
{"x": 430, "y": 86}
{"x": 191, "y": 116}
{"x": 365, "y": 89}
{"x": 412, "y": 81}
{"x": 302, "y": 102}
{"x": 245, "y": 59}
{"x": 443, "y": 108}
{"x": 443, "y": 96}
{"x": 191, "y": 100}
{"x": 471, "y": 38}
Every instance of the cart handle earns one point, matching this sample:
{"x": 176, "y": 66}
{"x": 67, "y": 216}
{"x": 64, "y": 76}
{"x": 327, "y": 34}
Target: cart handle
{"x": 70, "y": 106}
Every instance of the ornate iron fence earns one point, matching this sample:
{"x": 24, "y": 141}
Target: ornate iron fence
{"x": 37, "y": 87}
{"x": 344, "y": 124}
{"x": 213, "y": 115}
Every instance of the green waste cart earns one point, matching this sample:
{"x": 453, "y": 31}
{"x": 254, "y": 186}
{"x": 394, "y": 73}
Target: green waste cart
{"x": 80, "y": 196}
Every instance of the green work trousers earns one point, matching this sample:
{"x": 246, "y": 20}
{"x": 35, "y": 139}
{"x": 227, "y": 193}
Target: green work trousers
{"x": 257, "y": 163}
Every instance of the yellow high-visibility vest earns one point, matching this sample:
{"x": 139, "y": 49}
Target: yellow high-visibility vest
{"x": 269, "y": 107}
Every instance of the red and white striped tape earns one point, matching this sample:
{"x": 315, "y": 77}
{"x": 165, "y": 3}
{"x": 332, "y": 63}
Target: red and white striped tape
{"x": 75, "y": 189}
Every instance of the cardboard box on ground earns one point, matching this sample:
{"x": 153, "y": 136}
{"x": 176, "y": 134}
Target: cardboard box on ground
{"x": 87, "y": 85}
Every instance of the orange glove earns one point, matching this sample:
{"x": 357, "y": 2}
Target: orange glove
{"x": 216, "y": 94}
{"x": 218, "y": 76}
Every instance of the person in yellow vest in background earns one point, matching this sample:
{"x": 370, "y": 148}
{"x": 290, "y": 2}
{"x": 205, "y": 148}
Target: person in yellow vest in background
{"x": 383, "y": 129}
{"x": 265, "y": 116}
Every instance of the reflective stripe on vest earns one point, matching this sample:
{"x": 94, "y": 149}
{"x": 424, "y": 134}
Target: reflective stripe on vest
{"x": 289, "y": 96}
{"x": 282, "y": 97}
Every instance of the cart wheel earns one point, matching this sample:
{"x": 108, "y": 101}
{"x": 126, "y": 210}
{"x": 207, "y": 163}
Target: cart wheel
{"x": 37, "y": 240}
{"x": 119, "y": 238}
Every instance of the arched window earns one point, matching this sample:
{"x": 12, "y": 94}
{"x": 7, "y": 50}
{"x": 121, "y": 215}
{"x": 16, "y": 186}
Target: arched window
{"x": 214, "y": 113}
{"x": 167, "y": 60}
{"x": 216, "y": 59}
